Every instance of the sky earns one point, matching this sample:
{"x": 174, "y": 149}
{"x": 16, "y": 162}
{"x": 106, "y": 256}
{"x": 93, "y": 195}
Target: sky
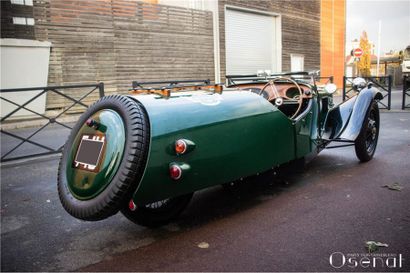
{"x": 365, "y": 15}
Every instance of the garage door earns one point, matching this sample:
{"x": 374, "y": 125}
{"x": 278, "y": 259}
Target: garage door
{"x": 250, "y": 42}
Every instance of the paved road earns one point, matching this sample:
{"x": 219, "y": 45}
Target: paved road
{"x": 289, "y": 223}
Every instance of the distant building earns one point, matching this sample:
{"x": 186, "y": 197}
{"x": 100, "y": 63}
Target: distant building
{"x": 356, "y": 44}
{"x": 389, "y": 64}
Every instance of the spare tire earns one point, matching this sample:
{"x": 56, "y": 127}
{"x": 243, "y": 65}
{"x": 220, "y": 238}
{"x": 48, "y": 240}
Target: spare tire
{"x": 104, "y": 158}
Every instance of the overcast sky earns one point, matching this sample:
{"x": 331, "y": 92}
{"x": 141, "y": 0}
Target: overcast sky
{"x": 365, "y": 14}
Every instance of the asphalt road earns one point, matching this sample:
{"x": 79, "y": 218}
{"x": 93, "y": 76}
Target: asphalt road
{"x": 286, "y": 222}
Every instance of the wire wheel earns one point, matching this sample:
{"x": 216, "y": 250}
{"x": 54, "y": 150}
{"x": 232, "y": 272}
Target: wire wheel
{"x": 371, "y": 133}
{"x": 366, "y": 142}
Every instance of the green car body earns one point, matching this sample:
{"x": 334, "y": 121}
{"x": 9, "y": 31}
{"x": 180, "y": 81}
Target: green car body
{"x": 236, "y": 134}
{"x": 228, "y": 136}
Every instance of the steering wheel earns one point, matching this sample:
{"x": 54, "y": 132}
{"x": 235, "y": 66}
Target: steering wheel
{"x": 284, "y": 100}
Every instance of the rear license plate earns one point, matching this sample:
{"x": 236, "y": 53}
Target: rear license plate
{"x": 89, "y": 152}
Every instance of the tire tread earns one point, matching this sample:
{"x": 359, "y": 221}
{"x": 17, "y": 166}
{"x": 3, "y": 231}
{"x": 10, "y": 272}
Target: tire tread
{"x": 125, "y": 182}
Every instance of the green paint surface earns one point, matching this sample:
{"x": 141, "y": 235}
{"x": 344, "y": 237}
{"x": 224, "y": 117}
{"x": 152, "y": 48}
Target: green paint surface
{"x": 237, "y": 134}
{"x": 306, "y": 130}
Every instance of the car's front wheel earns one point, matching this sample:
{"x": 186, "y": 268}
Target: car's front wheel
{"x": 157, "y": 213}
{"x": 366, "y": 142}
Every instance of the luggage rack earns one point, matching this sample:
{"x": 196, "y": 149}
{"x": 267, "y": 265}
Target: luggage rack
{"x": 174, "y": 86}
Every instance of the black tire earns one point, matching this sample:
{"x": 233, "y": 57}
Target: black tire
{"x": 157, "y": 213}
{"x": 125, "y": 181}
{"x": 366, "y": 142}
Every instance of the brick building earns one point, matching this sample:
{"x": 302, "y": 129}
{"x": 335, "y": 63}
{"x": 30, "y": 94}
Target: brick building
{"x": 117, "y": 41}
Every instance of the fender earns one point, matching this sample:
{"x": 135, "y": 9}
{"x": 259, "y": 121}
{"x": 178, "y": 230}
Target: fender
{"x": 337, "y": 119}
{"x": 362, "y": 103}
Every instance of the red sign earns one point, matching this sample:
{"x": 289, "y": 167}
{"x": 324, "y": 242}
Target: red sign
{"x": 357, "y": 53}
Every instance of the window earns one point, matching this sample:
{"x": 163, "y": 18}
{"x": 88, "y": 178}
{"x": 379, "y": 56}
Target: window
{"x": 30, "y": 21}
{"x": 297, "y": 62}
{"x": 17, "y": 2}
{"x": 23, "y": 21}
{"x": 19, "y": 20}
{"x": 22, "y": 2}
{"x": 189, "y": 4}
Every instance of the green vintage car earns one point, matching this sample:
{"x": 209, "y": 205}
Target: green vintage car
{"x": 145, "y": 154}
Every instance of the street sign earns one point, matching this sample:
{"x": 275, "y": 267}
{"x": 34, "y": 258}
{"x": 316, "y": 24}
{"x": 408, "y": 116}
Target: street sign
{"x": 357, "y": 52}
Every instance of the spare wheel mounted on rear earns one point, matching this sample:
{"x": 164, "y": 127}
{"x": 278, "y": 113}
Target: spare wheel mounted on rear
{"x": 104, "y": 158}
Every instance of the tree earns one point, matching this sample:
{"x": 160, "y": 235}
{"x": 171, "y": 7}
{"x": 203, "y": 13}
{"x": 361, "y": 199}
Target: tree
{"x": 365, "y": 60}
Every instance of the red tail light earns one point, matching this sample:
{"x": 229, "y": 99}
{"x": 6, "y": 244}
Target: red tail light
{"x": 132, "y": 206}
{"x": 180, "y": 147}
{"x": 175, "y": 172}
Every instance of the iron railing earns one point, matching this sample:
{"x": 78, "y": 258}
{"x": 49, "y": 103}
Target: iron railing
{"x": 51, "y": 120}
{"x": 383, "y": 83}
{"x": 406, "y": 92}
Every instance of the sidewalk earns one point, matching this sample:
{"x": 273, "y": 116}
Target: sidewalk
{"x": 53, "y": 136}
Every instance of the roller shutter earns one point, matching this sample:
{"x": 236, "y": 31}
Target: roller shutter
{"x": 250, "y": 42}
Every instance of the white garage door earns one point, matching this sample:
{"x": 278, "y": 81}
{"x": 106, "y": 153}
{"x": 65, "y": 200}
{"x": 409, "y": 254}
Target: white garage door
{"x": 250, "y": 42}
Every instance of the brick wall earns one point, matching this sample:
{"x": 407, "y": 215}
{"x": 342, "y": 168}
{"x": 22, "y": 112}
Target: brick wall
{"x": 300, "y": 28}
{"x": 118, "y": 41}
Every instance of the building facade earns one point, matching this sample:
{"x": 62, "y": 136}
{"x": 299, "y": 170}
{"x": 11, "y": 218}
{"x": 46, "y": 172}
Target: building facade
{"x": 332, "y": 39}
{"x": 275, "y": 35}
{"x": 118, "y": 41}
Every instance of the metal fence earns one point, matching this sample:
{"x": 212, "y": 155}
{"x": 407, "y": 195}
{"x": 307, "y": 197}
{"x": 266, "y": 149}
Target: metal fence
{"x": 406, "y": 92}
{"x": 50, "y": 120}
{"x": 383, "y": 83}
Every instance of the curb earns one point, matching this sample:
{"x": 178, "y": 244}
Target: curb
{"x": 32, "y": 123}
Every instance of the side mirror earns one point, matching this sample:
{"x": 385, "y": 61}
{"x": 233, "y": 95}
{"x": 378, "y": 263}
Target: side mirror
{"x": 359, "y": 84}
{"x": 330, "y": 88}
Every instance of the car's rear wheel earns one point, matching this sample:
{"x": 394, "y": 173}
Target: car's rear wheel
{"x": 157, "y": 213}
{"x": 104, "y": 158}
{"x": 366, "y": 142}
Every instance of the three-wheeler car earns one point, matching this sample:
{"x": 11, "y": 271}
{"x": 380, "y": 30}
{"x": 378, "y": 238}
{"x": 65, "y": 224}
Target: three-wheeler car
{"x": 145, "y": 154}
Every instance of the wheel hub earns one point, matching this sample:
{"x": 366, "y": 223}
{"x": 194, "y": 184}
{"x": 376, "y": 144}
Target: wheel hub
{"x": 96, "y": 154}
